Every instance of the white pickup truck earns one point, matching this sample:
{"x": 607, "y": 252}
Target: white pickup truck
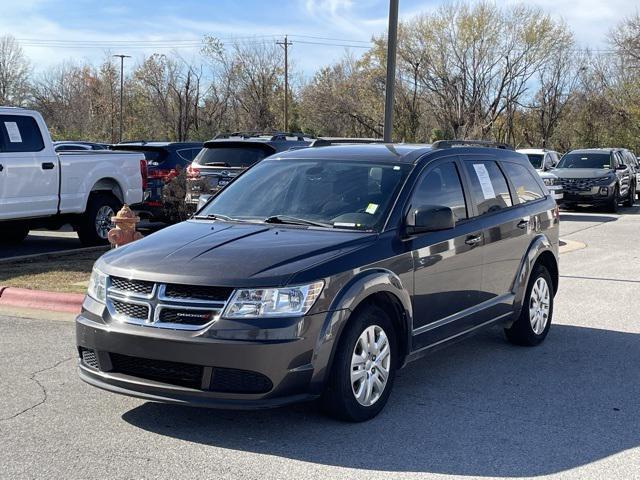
{"x": 42, "y": 188}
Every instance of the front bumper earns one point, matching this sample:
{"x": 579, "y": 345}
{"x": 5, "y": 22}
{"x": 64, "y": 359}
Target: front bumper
{"x": 596, "y": 195}
{"x": 292, "y": 356}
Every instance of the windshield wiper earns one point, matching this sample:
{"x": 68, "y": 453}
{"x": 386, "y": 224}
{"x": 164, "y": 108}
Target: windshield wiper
{"x": 286, "y": 219}
{"x": 215, "y": 216}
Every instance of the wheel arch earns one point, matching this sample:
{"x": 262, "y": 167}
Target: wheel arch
{"x": 107, "y": 185}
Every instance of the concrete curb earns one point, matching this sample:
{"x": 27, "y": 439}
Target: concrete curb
{"x": 41, "y": 300}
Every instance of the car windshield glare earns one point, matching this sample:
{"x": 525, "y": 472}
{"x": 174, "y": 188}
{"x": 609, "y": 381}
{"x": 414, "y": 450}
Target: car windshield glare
{"x": 335, "y": 193}
{"x": 585, "y": 160}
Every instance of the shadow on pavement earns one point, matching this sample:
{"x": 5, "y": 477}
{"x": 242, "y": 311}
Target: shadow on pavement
{"x": 480, "y": 408}
{"x": 576, "y": 217}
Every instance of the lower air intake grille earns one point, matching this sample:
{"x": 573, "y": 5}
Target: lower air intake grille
{"x": 230, "y": 380}
{"x": 89, "y": 357}
{"x": 174, "y": 373}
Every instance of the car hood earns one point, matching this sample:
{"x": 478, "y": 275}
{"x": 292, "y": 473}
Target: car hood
{"x": 546, "y": 174}
{"x": 229, "y": 254}
{"x": 581, "y": 172}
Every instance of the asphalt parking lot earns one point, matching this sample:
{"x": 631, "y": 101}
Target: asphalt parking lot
{"x": 482, "y": 408}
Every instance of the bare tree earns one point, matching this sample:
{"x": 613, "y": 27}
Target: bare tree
{"x": 14, "y": 72}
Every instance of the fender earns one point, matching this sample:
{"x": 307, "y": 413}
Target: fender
{"x": 356, "y": 291}
{"x": 538, "y": 245}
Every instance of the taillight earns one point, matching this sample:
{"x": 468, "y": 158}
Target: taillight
{"x": 144, "y": 173}
{"x": 193, "y": 172}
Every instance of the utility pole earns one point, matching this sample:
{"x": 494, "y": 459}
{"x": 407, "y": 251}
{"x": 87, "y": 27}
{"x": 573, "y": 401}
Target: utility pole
{"x": 121, "y": 57}
{"x": 285, "y": 45}
{"x": 392, "y": 41}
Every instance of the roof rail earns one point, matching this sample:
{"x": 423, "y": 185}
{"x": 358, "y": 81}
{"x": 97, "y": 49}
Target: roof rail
{"x": 326, "y": 141}
{"x": 474, "y": 143}
{"x": 274, "y": 134}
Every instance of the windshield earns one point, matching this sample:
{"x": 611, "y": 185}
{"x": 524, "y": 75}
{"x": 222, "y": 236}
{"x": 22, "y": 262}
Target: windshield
{"x": 230, "y": 156}
{"x": 339, "y": 194}
{"x": 535, "y": 159}
{"x": 585, "y": 160}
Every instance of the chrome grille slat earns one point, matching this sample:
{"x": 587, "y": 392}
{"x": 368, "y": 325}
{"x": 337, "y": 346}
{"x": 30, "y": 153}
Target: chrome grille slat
{"x": 148, "y": 304}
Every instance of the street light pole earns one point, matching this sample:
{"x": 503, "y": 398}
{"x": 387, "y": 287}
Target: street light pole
{"x": 285, "y": 45}
{"x": 121, "y": 57}
{"x": 392, "y": 41}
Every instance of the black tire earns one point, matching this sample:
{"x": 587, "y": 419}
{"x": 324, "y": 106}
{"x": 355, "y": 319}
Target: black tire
{"x": 13, "y": 233}
{"x": 631, "y": 197}
{"x": 612, "y": 205}
{"x": 89, "y": 232}
{"x": 338, "y": 399}
{"x": 522, "y": 331}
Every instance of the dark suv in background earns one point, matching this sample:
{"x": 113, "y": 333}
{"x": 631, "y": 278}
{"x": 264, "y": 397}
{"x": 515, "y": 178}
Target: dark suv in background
{"x": 596, "y": 176}
{"x": 165, "y": 160}
{"x": 321, "y": 271}
{"x": 227, "y": 155}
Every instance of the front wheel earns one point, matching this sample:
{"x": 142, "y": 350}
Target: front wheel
{"x": 631, "y": 197}
{"x": 532, "y": 326}
{"x": 612, "y": 206}
{"x": 364, "y": 367}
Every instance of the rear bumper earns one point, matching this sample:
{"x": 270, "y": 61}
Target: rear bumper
{"x": 293, "y": 364}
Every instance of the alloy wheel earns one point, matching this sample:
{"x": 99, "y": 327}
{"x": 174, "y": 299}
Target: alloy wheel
{"x": 103, "y": 221}
{"x": 539, "y": 305}
{"x": 370, "y": 365}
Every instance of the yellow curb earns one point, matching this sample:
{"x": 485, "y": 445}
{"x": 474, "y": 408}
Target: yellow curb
{"x": 567, "y": 246}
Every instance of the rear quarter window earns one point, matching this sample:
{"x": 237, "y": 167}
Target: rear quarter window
{"x": 242, "y": 157}
{"x": 526, "y": 186}
{"x": 19, "y": 133}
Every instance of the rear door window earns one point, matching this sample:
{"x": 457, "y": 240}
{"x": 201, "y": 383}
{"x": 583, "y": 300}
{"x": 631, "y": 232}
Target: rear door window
{"x": 526, "y": 186}
{"x": 19, "y": 133}
{"x": 489, "y": 188}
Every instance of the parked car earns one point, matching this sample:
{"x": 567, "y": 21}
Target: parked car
{"x": 164, "y": 161}
{"x": 227, "y": 155}
{"x": 632, "y": 162}
{"x": 596, "y": 176}
{"x": 543, "y": 161}
{"x": 67, "y": 146}
{"x": 42, "y": 188}
{"x": 321, "y": 271}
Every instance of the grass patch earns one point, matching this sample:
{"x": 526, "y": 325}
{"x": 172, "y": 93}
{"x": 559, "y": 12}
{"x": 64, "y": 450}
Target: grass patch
{"x": 62, "y": 272}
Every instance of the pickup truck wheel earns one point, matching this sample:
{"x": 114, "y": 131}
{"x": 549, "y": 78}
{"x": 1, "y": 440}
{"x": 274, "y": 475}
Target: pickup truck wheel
{"x": 13, "y": 233}
{"x": 532, "y": 326}
{"x": 364, "y": 367}
{"x": 96, "y": 221}
{"x": 612, "y": 206}
{"x": 631, "y": 197}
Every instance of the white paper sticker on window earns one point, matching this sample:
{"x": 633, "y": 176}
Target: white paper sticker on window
{"x": 485, "y": 181}
{"x": 13, "y": 131}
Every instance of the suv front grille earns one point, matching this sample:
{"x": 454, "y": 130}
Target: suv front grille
{"x": 131, "y": 310}
{"x": 578, "y": 183}
{"x": 186, "y": 316}
{"x": 136, "y": 287}
{"x": 174, "y": 373}
{"x": 193, "y": 292}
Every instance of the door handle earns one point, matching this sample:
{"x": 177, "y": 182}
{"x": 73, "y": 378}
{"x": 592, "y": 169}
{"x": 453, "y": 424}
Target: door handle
{"x": 48, "y": 166}
{"x": 473, "y": 239}
{"x": 523, "y": 224}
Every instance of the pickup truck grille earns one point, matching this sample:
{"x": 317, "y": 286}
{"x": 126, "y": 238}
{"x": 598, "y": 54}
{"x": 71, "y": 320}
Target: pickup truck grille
{"x": 578, "y": 184}
{"x": 160, "y": 305}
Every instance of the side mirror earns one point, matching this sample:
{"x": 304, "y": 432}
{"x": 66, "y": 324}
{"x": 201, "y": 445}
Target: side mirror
{"x": 621, "y": 167}
{"x": 429, "y": 218}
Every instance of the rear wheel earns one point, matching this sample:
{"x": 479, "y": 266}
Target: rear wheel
{"x": 532, "y": 326}
{"x": 96, "y": 221}
{"x": 13, "y": 233}
{"x": 363, "y": 368}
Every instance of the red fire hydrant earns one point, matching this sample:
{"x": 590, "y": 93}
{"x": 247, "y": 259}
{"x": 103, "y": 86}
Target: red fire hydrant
{"x": 125, "y": 227}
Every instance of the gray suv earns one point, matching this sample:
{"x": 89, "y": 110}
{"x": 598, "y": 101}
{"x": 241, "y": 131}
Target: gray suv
{"x": 319, "y": 272}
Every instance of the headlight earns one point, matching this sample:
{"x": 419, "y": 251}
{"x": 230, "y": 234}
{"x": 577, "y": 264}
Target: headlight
{"x": 549, "y": 182}
{"x": 605, "y": 180}
{"x": 98, "y": 286}
{"x": 273, "y": 302}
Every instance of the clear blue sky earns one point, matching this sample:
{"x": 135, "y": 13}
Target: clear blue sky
{"x": 51, "y": 29}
